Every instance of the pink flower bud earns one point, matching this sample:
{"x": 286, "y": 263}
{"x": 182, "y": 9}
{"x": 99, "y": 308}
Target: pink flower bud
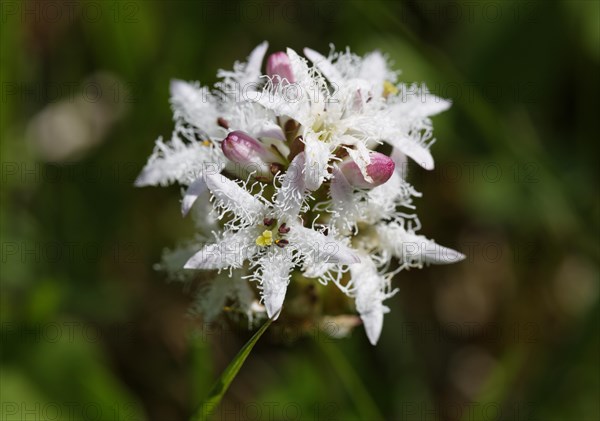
{"x": 278, "y": 65}
{"x": 241, "y": 148}
{"x": 380, "y": 170}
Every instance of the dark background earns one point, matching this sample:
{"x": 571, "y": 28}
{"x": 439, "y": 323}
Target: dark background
{"x": 91, "y": 331}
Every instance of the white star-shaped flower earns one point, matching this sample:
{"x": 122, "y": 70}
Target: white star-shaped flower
{"x": 270, "y": 236}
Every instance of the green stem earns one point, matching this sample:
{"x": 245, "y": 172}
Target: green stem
{"x": 222, "y": 384}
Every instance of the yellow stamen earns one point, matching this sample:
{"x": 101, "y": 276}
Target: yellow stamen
{"x": 265, "y": 239}
{"x": 206, "y": 142}
{"x": 389, "y": 89}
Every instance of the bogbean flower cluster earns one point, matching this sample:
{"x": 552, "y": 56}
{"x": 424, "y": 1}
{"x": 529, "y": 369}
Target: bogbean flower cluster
{"x": 283, "y": 170}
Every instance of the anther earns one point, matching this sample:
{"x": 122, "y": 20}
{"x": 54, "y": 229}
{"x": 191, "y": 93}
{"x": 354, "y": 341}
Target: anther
{"x": 223, "y": 123}
{"x": 275, "y": 168}
{"x": 282, "y": 243}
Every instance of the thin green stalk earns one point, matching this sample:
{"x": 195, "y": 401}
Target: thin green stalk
{"x": 222, "y": 384}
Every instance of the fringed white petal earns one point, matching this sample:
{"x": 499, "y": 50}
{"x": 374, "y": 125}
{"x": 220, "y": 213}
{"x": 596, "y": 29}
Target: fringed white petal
{"x": 317, "y": 161}
{"x": 416, "y": 102}
{"x": 318, "y": 249}
{"x": 243, "y": 74}
{"x": 324, "y": 65}
{"x": 230, "y": 251}
{"x": 195, "y": 105}
{"x": 374, "y": 69}
{"x": 343, "y": 201}
{"x": 282, "y": 101}
{"x": 254, "y": 63}
{"x": 273, "y": 272}
{"x": 310, "y": 86}
{"x": 232, "y": 198}
{"x": 317, "y": 271}
{"x": 415, "y": 150}
{"x": 414, "y": 250}
{"x": 177, "y": 161}
{"x": 382, "y": 201}
{"x": 302, "y": 73}
{"x": 373, "y": 322}
{"x": 370, "y": 289}
{"x": 291, "y": 193}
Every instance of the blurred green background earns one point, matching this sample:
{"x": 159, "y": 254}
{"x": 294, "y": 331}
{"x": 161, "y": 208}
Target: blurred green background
{"x": 91, "y": 331}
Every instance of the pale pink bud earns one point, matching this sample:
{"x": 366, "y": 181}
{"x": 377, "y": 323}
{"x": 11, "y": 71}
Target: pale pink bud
{"x": 279, "y": 67}
{"x": 380, "y": 170}
{"x": 241, "y": 148}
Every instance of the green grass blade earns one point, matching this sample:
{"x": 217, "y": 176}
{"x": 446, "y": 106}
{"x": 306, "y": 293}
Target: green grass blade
{"x": 223, "y": 382}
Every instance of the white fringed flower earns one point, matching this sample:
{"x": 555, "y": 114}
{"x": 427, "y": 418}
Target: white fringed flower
{"x": 402, "y": 119}
{"x": 269, "y": 235}
{"x": 292, "y": 183}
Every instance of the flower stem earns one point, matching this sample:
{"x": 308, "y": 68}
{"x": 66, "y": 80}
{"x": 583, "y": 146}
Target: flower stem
{"x": 222, "y": 384}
